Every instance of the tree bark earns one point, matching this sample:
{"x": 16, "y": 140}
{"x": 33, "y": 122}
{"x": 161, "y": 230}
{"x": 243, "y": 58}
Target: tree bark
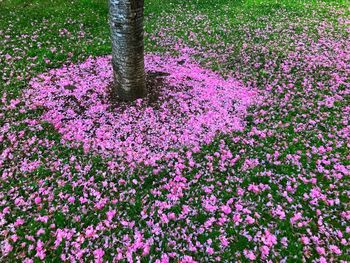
{"x": 126, "y": 23}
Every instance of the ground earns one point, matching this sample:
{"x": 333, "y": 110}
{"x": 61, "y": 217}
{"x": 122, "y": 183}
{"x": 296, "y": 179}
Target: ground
{"x": 264, "y": 177}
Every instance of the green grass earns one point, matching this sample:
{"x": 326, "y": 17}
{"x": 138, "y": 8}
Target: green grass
{"x": 46, "y": 18}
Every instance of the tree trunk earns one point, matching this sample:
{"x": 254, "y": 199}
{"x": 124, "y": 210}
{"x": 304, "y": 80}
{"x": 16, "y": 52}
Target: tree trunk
{"x": 126, "y": 22}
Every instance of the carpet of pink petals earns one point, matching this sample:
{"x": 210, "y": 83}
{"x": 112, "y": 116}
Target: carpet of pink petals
{"x": 165, "y": 181}
{"x": 193, "y": 106}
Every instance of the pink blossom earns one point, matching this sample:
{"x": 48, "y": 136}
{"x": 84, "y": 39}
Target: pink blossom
{"x": 335, "y": 249}
{"x": 269, "y": 239}
{"x": 37, "y": 200}
{"x": 226, "y": 209}
{"x": 98, "y": 254}
{"x": 249, "y": 254}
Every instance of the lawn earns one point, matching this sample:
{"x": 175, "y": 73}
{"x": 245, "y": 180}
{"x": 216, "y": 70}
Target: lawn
{"x": 258, "y": 170}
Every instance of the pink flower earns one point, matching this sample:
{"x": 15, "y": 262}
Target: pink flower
{"x": 249, "y": 254}
{"x": 305, "y": 240}
{"x": 335, "y": 249}
{"x": 110, "y": 214}
{"x": 269, "y": 239}
{"x": 237, "y": 218}
{"x": 146, "y": 250}
{"x": 37, "y": 200}
{"x": 164, "y": 218}
{"x": 223, "y": 240}
{"x": 187, "y": 259}
{"x": 71, "y": 199}
{"x": 249, "y": 219}
{"x": 172, "y": 216}
{"x": 210, "y": 250}
{"x": 265, "y": 250}
{"x": 40, "y": 250}
{"x": 6, "y": 247}
{"x": 89, "y": 232}
{"x": 284, "y": 241}
{"x": 19, "y": 222}
{"x": 296, "y": 217}
{"x": 226, "y": 209}
{"x": 98, "y": 254}
{"x": 320, "y": 250}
